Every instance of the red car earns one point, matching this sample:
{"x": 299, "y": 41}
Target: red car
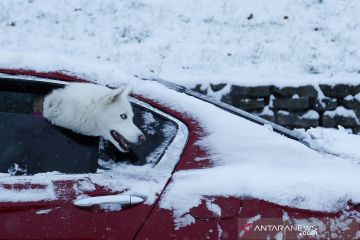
{"x": 55, "y": 184}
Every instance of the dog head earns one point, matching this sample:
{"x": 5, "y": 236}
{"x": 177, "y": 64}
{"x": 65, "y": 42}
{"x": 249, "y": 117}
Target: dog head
{"x": 116, "y": 120}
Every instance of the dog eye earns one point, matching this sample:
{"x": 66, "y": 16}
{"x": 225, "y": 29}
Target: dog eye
{"x": 123, "y": 116}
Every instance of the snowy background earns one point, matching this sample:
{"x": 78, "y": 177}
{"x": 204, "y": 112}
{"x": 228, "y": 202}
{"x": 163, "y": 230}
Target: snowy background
{"x": 246, "y": 42}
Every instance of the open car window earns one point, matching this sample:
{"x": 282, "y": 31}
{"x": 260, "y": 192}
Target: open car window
{"x": 29, "y": 144}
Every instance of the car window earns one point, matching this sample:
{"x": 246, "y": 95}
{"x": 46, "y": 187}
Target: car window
{"x": 29, "y": 144}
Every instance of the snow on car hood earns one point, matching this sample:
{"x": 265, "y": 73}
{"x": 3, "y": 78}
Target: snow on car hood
{"x": 249, "y": 160}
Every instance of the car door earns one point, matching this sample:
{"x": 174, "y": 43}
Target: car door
{"x": 33, "y": 206}
{"x": 55, "y": 183}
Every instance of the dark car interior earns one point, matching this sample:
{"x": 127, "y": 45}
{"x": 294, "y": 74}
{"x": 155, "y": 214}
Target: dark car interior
{"x": 29, "y": 144}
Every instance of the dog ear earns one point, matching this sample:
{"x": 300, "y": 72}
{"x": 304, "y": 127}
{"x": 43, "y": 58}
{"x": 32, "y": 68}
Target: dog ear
{"x": 115, "y": 94}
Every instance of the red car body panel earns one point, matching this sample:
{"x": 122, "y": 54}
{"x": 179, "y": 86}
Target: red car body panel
{"x": 145, "y": 221}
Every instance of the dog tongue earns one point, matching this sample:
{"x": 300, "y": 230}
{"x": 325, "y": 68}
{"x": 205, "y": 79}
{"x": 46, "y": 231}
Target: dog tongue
{"x": 120, "y": 139}
{"x": 124, "y": 143}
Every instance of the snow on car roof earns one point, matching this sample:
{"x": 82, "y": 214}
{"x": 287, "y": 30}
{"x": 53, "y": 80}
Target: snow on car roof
{"x": 250, "y": 160}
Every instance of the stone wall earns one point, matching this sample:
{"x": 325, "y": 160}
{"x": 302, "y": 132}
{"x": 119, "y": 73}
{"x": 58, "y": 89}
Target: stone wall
{"x": 294, "y": 107}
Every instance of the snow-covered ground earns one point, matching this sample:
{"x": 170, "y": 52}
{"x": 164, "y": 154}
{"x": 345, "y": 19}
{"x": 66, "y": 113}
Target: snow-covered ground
{"x": 248, "y": 42}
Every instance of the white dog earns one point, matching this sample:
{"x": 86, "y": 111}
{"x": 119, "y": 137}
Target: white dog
{"x": 94, "y": 110}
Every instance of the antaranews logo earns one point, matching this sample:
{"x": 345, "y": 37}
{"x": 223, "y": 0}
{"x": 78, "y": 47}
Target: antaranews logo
{"x": 263, "y": 227}
{"x": 246, "y": 228}
{"x": 279, "y": 228}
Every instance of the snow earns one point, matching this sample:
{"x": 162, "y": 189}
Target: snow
{"x": 341, "y": 111}
{"x": 110, "y": 207}
{"x": 250, "y": 220}
{"x": 285, "y": 42}
{"x": 283, "y": 112}
{"x": 184, "y": 221}
{"x": 213, "y": 207}
{"x": 44, "y": 211}
{"x": 149, "y": 121}
{"x": 311, "y": 114}
{"x": 349, "y": 97}
{"x": 267, "y": 111}
{"x": 218, "y": 94}
{"x": 334, "y": 141}
{"x": 279, "y": 236}
{"x": 356, "y": 97}
{"x": 220, "y": 231}
{"x": 169, "y": 131}
{"x": 84, "y": 185}
{"x": 16, "y": 169}
{"x": 27, "y": 195}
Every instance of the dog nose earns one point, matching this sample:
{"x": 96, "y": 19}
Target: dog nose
{"x": 142, "y": 138}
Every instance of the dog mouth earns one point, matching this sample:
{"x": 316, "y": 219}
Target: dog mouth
{"x": 120, "y": 140}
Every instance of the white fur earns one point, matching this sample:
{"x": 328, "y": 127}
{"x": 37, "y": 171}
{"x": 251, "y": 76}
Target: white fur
{"x": 92, "y": 110}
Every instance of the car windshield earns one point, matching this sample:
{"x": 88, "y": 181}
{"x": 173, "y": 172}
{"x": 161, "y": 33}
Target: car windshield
{"x": 29, "y": 144}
